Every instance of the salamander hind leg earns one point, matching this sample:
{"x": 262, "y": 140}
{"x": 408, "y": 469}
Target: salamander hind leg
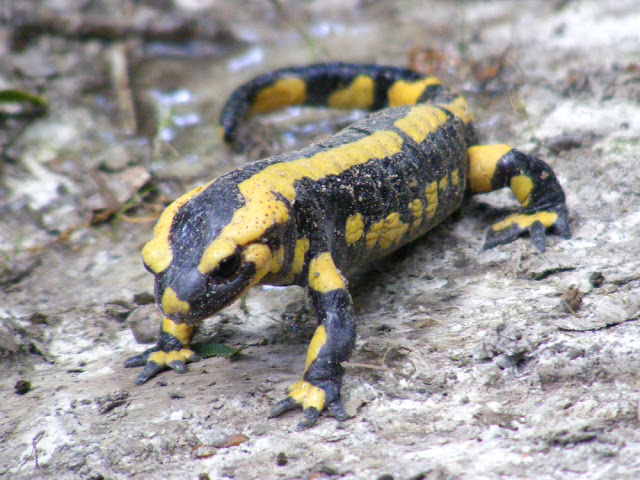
{"x": 532, "y": 181}
{"x": 331, "y": 345}
{"x": 172, "y": 351}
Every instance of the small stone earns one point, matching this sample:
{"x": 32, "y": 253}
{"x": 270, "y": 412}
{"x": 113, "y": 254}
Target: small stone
{"x": 22, "y": 386}
{"x": 281, "y": 459}
{"x": 234, "y": 440}
{"x": 111, "y": 401}
{"x": 572, "y": 299}
{"x": 119, "y": 312}
{"x": 596, "y": 279}
{"x": 203, "y": 451}
{"x": 145, "y": 323}
{"x": 144, "y": 298}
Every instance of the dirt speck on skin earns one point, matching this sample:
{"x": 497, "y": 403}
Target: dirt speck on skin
{"x": 504, "y": 363}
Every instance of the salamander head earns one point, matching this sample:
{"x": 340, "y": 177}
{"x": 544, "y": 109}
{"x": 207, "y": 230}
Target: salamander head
{"x": 205, "y": 253}
{"x": 186, "y": 294}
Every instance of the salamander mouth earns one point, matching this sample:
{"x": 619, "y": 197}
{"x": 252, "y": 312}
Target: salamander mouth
{"x": 202, "y": 297}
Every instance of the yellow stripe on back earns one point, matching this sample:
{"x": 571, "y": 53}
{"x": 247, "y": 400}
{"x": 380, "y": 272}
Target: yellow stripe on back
{"x": 263, "y": 210}
{"x": 335, "y": 161}
{"x": 421, "y": 121}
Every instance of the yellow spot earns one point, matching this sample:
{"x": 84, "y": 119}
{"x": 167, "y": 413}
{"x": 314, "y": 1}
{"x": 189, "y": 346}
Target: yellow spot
{"x": 455, "y": 177}
{"x": 317, "y": 342}
{"x": 297, "y": 265}
{"x": 416, "y": 208}
{"x": 408, "y": 93}
{"x": 283, "y": 93}
{"x": 420, "y": 121}
{"x": 157, "y": 358}
{"x": 392, "y": 230}
{"x": 373, "y": 234}
{"x": 307, "y": 395}
{"x": 431, "y": 194}
{"x": 359, "y": 94}
{"x": 521, "y": 186}
{"x": 156, "y": 254}
{"x": 172, "y": 304}
{"x": 260, "y": 255}
{"x": 217, "y": 251}
{"x": 482, "y": 165}
{"x": 278, "y": 260}
{"x": 460, "y": 108}
{"x": 525, "y": 221}
{"x": 182, "y": 331}
{"x": 444, "y": 183}
{"x": 354, "y": 229}
{"x": 323, "y": 274}
{"x": 302, "y": 246}
{"x": 164, "y": 358}
{"x": 263, "y": 209}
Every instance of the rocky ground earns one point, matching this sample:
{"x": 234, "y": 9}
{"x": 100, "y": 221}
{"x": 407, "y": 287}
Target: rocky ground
{"x": 505, "y": 363}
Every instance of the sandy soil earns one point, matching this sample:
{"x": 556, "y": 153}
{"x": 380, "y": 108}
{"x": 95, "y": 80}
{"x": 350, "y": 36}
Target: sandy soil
{"x": 477, "y": 364}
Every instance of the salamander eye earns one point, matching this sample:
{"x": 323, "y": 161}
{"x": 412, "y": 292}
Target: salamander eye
{"x": 229, "y": 266}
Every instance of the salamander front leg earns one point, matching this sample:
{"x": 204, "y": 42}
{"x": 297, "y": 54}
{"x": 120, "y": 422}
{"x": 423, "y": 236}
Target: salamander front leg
{"x": 171, "y": 351}
{"x": 331, "y": 345}
{"x": 532, "y": 182}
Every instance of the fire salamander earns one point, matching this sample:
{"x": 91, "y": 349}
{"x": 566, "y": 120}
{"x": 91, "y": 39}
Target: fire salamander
{"x": 310, "y": 217}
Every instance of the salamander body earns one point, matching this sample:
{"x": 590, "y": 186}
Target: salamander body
{"x": 312, "y": 216}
